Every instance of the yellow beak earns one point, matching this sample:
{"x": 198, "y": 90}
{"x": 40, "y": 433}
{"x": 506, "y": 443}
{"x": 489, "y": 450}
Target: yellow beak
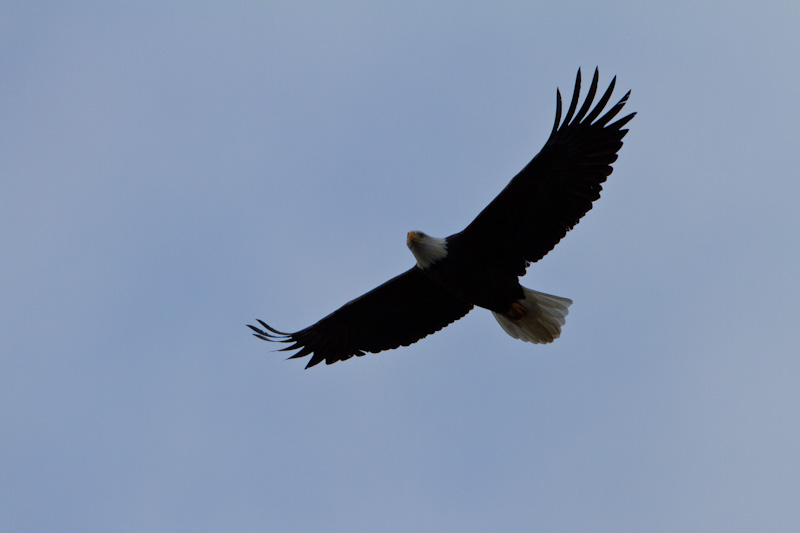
{"x": 412, "y": 237}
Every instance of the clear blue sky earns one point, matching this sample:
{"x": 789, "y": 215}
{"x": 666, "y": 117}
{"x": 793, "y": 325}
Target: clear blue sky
{"x": 172, "y": 172}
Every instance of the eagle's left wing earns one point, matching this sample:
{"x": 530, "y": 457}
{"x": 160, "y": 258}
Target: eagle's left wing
{"x": 551, "y": 194}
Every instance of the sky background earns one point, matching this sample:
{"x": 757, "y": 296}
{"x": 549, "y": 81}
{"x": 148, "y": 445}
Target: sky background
{"x": 171, "y": 172}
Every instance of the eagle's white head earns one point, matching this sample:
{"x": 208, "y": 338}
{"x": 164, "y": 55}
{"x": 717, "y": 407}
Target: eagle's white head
{"x": 426, "y": 249}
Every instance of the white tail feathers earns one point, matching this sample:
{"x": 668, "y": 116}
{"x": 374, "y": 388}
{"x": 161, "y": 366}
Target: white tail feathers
{"x": 542, "y": 320}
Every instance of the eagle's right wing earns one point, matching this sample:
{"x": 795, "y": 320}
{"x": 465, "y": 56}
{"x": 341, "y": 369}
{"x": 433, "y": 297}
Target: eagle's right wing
{"x": 398, "y": 313}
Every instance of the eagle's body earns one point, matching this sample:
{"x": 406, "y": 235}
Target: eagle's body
{"x": 481, "y": 265}
{"x": 464, "y": 272}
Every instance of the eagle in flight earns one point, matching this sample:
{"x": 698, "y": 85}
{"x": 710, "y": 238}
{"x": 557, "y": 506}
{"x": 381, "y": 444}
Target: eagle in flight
{"x": 480, "y": 266}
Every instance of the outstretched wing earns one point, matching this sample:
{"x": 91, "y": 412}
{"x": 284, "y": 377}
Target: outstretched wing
{"x": 398, "y": 313}
{"x": 551, "y": 194}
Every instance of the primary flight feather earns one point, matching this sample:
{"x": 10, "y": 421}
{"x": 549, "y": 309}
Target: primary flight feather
{"x": 481, "y": 265}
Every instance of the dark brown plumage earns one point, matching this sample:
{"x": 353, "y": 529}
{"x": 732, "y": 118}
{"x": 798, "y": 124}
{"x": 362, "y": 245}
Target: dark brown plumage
{"x": 397, "y": 313}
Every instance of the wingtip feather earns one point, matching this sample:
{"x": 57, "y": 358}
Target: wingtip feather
{"x": 271, "y": 334}
{"x": 589, "y": 97}
{"x": 558, "y": 112}
{"x": 573, "y": 105}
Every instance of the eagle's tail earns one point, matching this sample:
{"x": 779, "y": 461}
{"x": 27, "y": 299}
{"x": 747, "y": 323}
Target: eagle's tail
{"x": 541, "y": 320}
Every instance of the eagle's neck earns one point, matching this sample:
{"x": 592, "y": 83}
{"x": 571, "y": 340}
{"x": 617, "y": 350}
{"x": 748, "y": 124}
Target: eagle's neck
{"x": 428, "y": 250}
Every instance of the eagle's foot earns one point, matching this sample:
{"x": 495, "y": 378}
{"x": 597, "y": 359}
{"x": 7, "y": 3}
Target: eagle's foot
{"x": 517, "y": 311}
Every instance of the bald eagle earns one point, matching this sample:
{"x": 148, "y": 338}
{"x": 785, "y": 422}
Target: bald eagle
{"x": 480, "y": 266}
